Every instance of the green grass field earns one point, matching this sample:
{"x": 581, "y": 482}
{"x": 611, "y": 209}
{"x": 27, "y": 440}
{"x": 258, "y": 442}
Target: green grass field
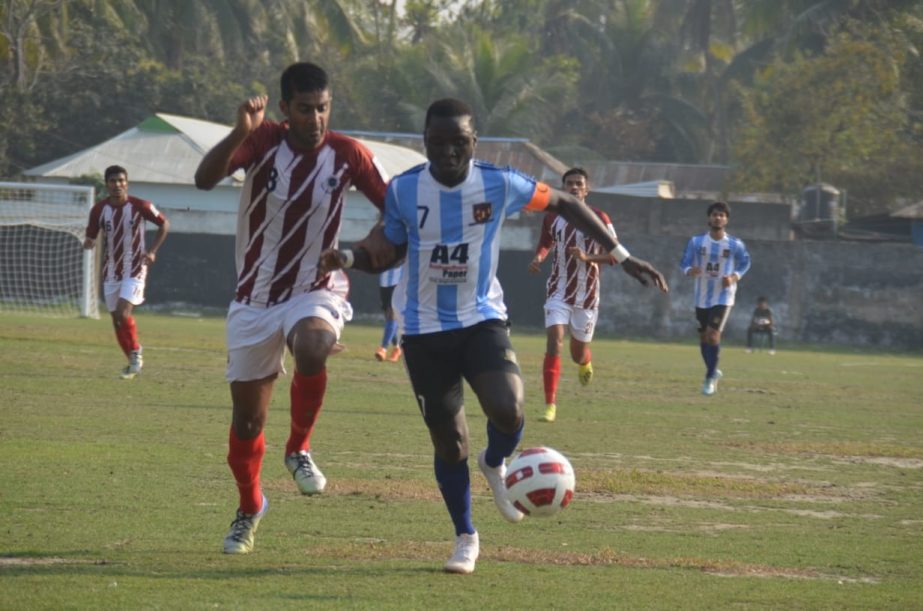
{"x": 798, "y": 486}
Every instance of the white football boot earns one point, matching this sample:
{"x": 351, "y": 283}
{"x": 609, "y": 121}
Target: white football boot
{"x": 496, "y": 477}
{"x": 240, "y": 538}
{"x": 309, "y": 478}
{"x": 465, "y": 555}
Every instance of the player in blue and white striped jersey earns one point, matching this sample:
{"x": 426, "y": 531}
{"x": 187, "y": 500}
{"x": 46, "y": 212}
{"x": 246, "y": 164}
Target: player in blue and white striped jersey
{"x": 446, "y": 216}
{"x": 717, "y": 261}
{"x": 387, "y": 280}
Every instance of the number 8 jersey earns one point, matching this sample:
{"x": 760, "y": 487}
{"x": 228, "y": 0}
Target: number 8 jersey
{"x": 453, "y": 243}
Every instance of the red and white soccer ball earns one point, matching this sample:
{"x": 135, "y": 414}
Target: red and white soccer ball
{"x": 540, "y": 482}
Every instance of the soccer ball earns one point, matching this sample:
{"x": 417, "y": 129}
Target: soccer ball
{"x": 540, "y": 482}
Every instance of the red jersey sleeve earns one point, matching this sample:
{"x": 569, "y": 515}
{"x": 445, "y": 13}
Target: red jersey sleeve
{"x": 369, "y": 176}
{"x": 546, "y": 238}
{"x": 252, "y": 148}
{"x": 93, "y": 224}
{"x": 148, "y": 211}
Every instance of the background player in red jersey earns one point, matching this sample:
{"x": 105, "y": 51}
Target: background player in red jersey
{"x": 572, "y": 290}
{"x": 121, "y": 218}
{"x": 297, "y": 176}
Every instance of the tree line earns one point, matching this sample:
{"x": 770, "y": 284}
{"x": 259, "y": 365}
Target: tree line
{"x": 785, "y": 92}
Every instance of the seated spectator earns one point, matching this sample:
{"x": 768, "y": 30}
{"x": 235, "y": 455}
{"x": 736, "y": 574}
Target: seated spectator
{"x": 762, "y": 323}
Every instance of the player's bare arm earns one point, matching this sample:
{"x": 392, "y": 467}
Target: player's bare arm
{"x": 576, "y": 251}
{"x": 214, "y": 166}
{"x": 645, "y": 273}
{"x": 360, "y": 259}
{"x": 535, "y": 265}
{"x": 378, "y": 247}
{"x": 151, "y": 255}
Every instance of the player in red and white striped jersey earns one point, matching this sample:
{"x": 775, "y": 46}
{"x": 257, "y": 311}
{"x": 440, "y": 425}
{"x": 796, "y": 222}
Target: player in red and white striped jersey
{"x": 291, "y": 206}
{"x": 572, "y": 290}
{"x": 121, "y": 217}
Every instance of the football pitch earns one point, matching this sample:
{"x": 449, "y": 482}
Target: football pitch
{"x": 798, "y": 486}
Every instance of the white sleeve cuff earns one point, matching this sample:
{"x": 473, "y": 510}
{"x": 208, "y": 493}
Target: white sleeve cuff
{"x": 620, "y": 253}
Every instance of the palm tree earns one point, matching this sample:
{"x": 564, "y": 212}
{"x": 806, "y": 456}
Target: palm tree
{"x": 511, "y": 92}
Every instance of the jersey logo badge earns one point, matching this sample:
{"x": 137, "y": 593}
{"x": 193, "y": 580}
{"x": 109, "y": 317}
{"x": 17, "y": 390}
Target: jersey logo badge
{"x": 725, "y": 253}
{"x": 482, "y": 212}
{"x": 331, "y": 183}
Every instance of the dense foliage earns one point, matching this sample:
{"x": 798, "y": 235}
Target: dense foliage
{"x": 785, "y": 91}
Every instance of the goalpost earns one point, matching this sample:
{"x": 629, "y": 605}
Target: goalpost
{"x": 44, "y": 268}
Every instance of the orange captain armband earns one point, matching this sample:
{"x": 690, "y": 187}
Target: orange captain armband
{"x": 540, "y": 198}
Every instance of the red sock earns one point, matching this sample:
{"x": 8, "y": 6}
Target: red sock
{"x": 131, "y": 333}
{"x": 122, "y": 339}
{"x": 245, "y": 457}
{"x": 551, "y": 372}
{"x": 307, "y": 394}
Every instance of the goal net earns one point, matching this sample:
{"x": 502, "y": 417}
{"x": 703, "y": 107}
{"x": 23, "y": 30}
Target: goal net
{"x": 44, "y": 268}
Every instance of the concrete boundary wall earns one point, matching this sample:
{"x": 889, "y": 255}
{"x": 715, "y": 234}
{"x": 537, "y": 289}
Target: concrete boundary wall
{"x": 847, "y": 293}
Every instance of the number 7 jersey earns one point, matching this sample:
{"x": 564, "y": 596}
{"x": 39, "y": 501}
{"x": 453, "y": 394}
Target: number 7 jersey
{"x": 453, "y": 243}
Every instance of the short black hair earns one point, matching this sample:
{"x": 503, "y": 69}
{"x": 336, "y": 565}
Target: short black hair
{"x": 762, "y": 299}
{"x": 573, "y": 171}
{"x": 448, "y": 108}
{"x": 303, "y": 77}
{"x": 113, "y": 170}
{"x": 719, "y": 205}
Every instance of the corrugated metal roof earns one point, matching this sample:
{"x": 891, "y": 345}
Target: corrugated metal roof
{"x": 914, "y": 211}
{"x": 685, "y": 178}
{"x": 653, "y": 188}
{"x": 168, "y": 148}
{"x": 516, "y": 152}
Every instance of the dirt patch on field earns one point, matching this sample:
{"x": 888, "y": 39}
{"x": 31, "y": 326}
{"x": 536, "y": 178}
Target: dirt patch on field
{"x": 887, "y": 461}
{"x": 6, "y": 561}
{"x": 436, "y": 552}
{"x": 387, "y": 489}
{"x": 852, "y": 452}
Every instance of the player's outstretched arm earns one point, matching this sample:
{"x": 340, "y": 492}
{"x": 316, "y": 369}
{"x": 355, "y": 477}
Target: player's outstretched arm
{"x": 580, "y": 215}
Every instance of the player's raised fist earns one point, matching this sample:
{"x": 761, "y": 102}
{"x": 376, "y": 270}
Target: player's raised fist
{"x": 250, "y": 114}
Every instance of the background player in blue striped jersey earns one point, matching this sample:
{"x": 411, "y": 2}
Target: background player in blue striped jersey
{"x": 445, "y": 216}
{"x": 717, "y": 261}
{"x": 387, "y": 280}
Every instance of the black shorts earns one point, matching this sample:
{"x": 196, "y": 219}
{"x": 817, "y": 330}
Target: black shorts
{"x": 385, "y": 292}
{"x": 438, "y": 362}
{"x": 713, "y": 317}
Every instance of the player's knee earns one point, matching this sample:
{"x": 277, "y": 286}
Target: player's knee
{"x": 247, "y": 427}
{"x": 310, "y": 349}
{"x": 451, "y": 448}
{"x": 506, "y": 415}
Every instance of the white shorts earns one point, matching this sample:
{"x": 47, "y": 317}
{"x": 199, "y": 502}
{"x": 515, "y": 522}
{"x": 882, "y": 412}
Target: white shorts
{"x": 582, "y": 322}
{"x": 256, "y": 337}
{"x": 130, "y": 289}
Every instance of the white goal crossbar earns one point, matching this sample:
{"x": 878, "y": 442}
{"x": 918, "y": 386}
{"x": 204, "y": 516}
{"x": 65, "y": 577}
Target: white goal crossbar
{"x": 43, "y": 265}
